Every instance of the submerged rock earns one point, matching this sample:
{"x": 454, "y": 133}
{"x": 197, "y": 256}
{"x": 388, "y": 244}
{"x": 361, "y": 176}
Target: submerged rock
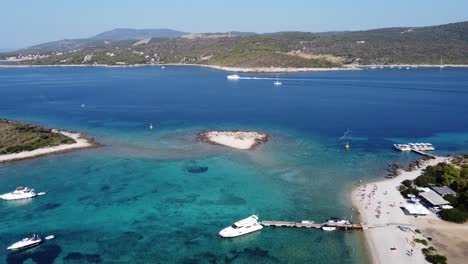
{"x": 197, "y": 169}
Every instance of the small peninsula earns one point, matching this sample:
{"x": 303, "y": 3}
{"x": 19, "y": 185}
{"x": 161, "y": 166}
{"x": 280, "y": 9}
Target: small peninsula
{"x": 234, "y": 139}
{"x": 20, "y": 141}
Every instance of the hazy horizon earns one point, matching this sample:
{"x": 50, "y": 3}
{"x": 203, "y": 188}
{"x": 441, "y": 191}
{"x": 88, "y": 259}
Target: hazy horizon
{"x": 33, "y": 22}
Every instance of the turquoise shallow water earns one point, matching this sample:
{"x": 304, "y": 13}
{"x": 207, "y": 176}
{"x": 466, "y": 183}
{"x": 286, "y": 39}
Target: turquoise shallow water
{"x": 134, "y": 201}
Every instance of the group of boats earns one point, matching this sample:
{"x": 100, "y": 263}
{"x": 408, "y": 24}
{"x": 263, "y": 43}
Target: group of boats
{"x": 414, "y": 146}
{"x": 21, "y": 193}
{"x": 235, "y": 77}
{"x": 251, "y": 224}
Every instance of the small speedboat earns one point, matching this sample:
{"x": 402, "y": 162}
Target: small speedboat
{"x": 25, "y": 243}
{"x": 277, "y": 83}
{"x": 20, "y": 193}
{"x": 242, "y": 227}
{"x": 233, "y": 77}
{"x": 328, "y": 228}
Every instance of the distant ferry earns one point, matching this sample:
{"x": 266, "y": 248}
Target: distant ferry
{"x": 233, "y": 77}
{"x": 414, "y": 146}
{"x": 242, "y": 227}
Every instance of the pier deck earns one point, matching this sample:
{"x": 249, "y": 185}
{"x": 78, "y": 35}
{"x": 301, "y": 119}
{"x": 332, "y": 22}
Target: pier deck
{"x": 310, "y": 225}
{"x": 424, "y": 153}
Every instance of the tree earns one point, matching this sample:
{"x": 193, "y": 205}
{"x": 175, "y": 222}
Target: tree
{"x": 454, "y": 215}
{"x": 407, "y": 183}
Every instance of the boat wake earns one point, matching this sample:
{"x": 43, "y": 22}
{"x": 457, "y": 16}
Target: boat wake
{"x": 345, "y": 134}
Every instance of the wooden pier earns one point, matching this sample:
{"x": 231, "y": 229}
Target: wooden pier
{"x": 425, "y": 154}
{"x": 310, "y": 225}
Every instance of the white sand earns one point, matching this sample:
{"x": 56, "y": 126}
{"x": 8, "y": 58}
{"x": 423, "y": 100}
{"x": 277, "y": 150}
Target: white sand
{"x": 378, "y": 204}
{"x": 81, "y": 143}
{"x": 238, "y": 140}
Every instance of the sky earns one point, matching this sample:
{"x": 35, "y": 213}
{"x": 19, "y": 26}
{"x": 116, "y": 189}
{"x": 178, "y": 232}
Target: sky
{"x": 27, "y": 22}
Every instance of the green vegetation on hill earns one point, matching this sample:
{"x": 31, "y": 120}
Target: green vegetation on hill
{"x": 16, "y": 137}
{"x": 455, "y": 176}
{"x": 419, "y": 45}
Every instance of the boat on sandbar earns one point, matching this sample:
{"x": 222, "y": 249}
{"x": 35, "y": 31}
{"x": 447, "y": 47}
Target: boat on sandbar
{"x": 26, "y": 243}
{"x": 242, "y": 227}
{"x": 20, "y": 193}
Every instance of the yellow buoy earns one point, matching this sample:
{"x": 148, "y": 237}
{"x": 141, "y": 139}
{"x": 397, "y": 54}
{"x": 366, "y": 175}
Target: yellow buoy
{"x": 347, "y": 146}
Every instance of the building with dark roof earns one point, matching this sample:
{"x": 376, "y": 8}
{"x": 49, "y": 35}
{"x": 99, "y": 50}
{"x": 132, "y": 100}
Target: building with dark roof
{"x": 443, "y": 190}
{"x": 433, "y": 199}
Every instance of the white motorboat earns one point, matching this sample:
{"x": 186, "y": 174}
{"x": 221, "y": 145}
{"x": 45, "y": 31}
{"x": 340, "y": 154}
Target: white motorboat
{"x": 20, "y": 193}
{"x": 233, "y": 77}
{"x": 328, "y": 228}
{"x": 337, "y": 220}
{"x": 402, "y": 147}
{"x": 242, "y": 227}
{"x": 277, "y": 83}
{"x": 25, "y": 243}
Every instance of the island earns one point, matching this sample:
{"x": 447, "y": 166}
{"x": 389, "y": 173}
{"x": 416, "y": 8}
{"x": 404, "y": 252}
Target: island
{"x": 421, "y": 213}
{"x": 241, "y": 140}
{"x": 20, "y": 141}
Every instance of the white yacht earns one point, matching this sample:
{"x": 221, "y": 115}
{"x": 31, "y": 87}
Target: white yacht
{"x": 25, "y": 243}
{"x": 242, "y": 227}
{"x": 233, "y": 77}
{"x": 402, "y": 147}
{"x": 20, "y": 193}
{"x": 328, "y": 228}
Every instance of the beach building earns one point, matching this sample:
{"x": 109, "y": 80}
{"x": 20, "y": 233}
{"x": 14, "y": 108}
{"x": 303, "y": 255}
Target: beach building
{"x": 433, "y": 199}
{"x": 416, "y": 209}
{"x": 443, "y": 190}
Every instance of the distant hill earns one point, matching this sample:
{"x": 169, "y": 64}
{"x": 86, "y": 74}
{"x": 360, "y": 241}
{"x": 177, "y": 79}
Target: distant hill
{"x": 402, "y": 45}
{"x": 136, "y": 34}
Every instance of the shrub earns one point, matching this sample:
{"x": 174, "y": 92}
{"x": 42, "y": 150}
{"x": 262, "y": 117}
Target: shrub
{"x": 454, "y": 215}
{"x": 421, "y": 241}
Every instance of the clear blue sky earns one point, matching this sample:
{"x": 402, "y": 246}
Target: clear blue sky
{"x": 27, "y": 22}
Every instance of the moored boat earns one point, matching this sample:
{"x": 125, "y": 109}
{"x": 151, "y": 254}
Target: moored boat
{"x": 328, "y": 228}
{"x": 242, "y": 227}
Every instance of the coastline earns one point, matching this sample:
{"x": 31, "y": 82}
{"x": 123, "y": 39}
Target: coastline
{"x": 81, "y": 142}
{"x": 216, "y": 67}
{"x": 414, "y": 65}
{"x": 378, "y": 207}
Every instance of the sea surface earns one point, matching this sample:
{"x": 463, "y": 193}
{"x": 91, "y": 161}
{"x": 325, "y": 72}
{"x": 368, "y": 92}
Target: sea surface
{"x": 136, "y": 198}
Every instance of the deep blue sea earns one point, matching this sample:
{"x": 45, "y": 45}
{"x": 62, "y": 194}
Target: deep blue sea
{"x": 133, "y": 200}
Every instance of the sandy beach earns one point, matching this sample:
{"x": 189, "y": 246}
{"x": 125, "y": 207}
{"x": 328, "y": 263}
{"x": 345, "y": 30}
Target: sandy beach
{"x": 81, "y": 143}
{"x": 234, "y": 139}
{"x": 378, "y": 204}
